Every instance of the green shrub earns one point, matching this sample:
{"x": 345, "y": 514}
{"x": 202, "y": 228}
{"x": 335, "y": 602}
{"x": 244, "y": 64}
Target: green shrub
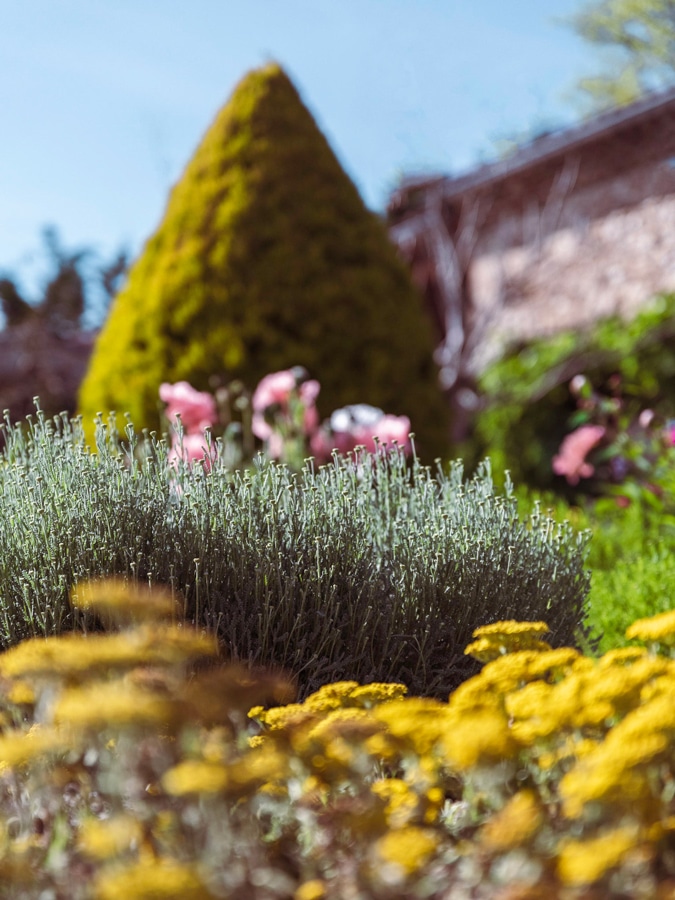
{"x": 368, "y": 570}
{"x": 632, "y": 562}
{"x": 267, "y": 258}
{"x": 631, "y": 557}
{"x": 635, "y": 587}
{"x": 528, "y": 403}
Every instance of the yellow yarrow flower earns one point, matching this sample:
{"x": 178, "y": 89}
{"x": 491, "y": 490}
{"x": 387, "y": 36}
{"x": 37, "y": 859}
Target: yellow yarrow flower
{"x": 615, "y": 772}
{"x": 509, "y": 636}
{"x": 552, "y": 663}
{"x": 111, "y": 704}
{"x": 655, "y": 629}
{"x": 343, "y": 722}
{"x": 280, "y": 717}
{"x": 195, "y": 776}
{"x": 311, "y": 890}
{"x": 419, "y": 723}
{"x": 382, "y": 747}
{"x": 369, "y": 695}
{"x": 621, "y": 685}
{"x": 530, "y": 701}
{"x": 513, "y": 671}
{"x": 406, "y": 850}
{"x": 478, "y": 737}
{"x": 515, "y": 824}
{"x": 330, "y": 696}
{"x": 402, "y": 802}
{"x": 261, "y": 765}
{"x": 655, "y": 715}
{"x": 18, "y": 748}
{"x": 511, "y": 628}
{"x": 474, "y": 694}
{"x": 106, "y": 838}
{"x": 572, "y": 748}
{"x": 21, "y": 694}
{"x": 621, "y": 656}
{"x": 73, "y": 655}
{"x": 584, "y": 862}
{"x": 488, "y": 648}
{"x": 124, "y": 602}
{"x": 151, "y": 879}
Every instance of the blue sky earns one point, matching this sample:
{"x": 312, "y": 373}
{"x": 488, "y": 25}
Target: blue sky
{"x": 102, "y": 102}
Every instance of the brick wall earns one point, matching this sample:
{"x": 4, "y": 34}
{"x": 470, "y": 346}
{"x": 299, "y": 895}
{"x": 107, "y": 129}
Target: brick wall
{"x": 564, "y": 245}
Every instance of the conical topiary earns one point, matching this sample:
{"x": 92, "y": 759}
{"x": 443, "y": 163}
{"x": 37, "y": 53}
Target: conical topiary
{"x": 267, "y": 258}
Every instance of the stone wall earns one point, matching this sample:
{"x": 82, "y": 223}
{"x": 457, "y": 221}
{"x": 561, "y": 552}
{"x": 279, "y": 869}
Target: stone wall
{"x": 604, "y": 246}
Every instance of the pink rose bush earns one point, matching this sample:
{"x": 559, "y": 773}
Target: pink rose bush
{"x": 628, "y": 451}
{"x": 284, "y": 410}
{"x": 571, "y": 461}
{"x": 360, "y": 425}
{"x": 285, "y": 418}
{"x": 195, "y": 411}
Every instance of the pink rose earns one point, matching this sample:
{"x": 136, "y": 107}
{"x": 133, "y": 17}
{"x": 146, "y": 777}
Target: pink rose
{"x": 275, "y": 446}
{"x": 321, "y": 444}
{"x": 359, "y": 425}
{"x": 192, "y": 448}
{"x": 571, "y": 460}
{"x": 394, "y": 429}
{"x": 197, "y": 409}
{"x": 274, "y": 389}
{"x": 309, "y": 391}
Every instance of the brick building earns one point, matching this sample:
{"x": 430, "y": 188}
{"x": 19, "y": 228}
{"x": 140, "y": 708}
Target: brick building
{"x": 574, "y": 226}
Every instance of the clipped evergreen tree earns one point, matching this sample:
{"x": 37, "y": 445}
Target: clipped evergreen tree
{"x": 267, "y": 258}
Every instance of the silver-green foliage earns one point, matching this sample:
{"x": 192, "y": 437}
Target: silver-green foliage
{"x": 371, "y": 569}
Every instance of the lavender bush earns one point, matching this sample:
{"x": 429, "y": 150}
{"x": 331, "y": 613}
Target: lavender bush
{"x": 370, "y": 567}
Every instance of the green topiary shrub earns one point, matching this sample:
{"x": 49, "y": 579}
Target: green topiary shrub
{"x": 267, "y": 258}
{"x": 528, "y": 404}
{"x": 375, "y": 571}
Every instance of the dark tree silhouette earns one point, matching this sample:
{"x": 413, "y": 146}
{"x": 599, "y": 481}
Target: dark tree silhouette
{"x": 45, "y": 344}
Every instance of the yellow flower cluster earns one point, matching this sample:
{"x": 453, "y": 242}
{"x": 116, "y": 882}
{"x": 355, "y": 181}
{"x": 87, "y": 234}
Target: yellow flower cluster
{"x": 152, "y": 879}
{"x": 75, "y": 656}
{"x": 339, "y": 695}
{"x": 548, "y": 763}
{"x": 123, "y": 603}
{"x": 585, "y": 862}
{"x": 105, "y": 838}
{"x": 103, "y": 696}
{"x": 594, "y": 733}
{"x": 498, "y": 638}
{"x": 657, "y": 629}
{"x": 406, "y": 850}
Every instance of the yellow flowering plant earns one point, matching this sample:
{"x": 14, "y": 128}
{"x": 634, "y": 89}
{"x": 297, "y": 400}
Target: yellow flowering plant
{"x": 136, "y": 763}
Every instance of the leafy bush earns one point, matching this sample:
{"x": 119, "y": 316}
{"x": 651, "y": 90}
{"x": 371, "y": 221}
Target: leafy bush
{"x": 634, "y": 587}
{"x": 129, "y": 770}
{"x": 631, "y": 558}
{"x": 364, "y": 569}
{"x": 527, "y": 402}
{"x": 267, "y": 258}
